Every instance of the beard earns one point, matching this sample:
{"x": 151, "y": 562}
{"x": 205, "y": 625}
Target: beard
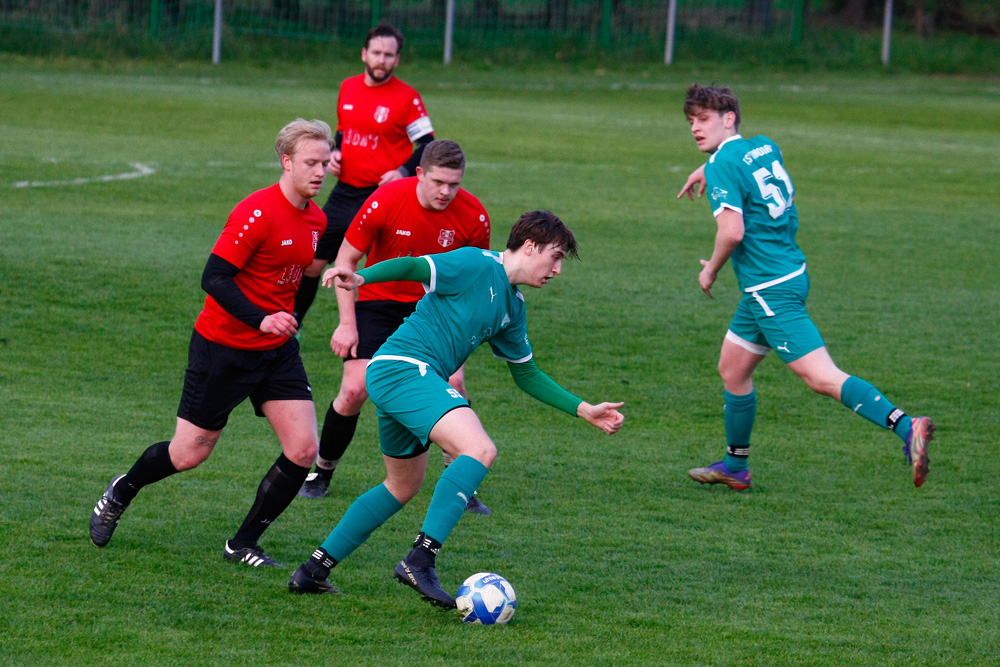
{"x": 378, "y": 77}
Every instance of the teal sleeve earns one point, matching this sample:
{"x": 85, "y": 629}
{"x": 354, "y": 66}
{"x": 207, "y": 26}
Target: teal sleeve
{"x": 401, "y": 268}
{"x": 532, "y": 381}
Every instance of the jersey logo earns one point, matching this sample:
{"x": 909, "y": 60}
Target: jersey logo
{"x": 285, "y": 242}
{"x": 492, "y": 294}
{"x": 718, "y": 193}
{"x": 381, "y": 114}
{"x": 348, "y": 107}
{"x": 506, "y": 320}
{"x": 402, "y": 232}
{"x": 315, "y": 240}
{"x": 446, "y": 237}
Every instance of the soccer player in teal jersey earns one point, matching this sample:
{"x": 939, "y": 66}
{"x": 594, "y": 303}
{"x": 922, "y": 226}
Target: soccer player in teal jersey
{"x": 472, "y": 298}
{"x": 752, "y": 198}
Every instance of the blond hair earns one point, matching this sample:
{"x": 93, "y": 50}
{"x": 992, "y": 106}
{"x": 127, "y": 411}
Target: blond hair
{"x": 299, "y": 129}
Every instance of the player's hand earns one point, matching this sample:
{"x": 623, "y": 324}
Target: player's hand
{"x": 334, "y": 166}
{"x": 344, "y": 341}
{"x": 280, "y": 324}
{"x": 390, "y": 176}
{"x": 343, "y": 278}
{"x": 696, "y": 177}
{"x": 604, "y": 416}
{"x": 707, "y": 278}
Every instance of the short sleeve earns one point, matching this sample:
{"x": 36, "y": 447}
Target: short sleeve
{"x": 418, "y": 123}
{"x": 512, "y": 343}
{"x": 364, "y": 229}
{"x": 723, "y": 184}
{"x": 452, "y": 271}
{"x": 244, "y": 232}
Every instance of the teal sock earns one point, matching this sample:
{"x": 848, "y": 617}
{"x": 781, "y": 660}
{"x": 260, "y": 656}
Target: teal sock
{"x": 740, "y": 414}
{"x": 458, "y": 483}
{"x": 867, "y": 401}
{"x": 369, "y": 511}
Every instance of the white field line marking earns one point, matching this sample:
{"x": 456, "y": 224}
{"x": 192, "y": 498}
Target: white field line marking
{"x": 141, "y": 170}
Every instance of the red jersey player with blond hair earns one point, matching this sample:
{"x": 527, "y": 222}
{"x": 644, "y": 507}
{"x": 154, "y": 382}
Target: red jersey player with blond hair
{"x": 244, "y": 346}
{"x": 382, "y": 130}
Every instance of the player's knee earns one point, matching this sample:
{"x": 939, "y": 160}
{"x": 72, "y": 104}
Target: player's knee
{"x": 734, "y": 379}
{"x": 485, "y": 452}
{"x": 187, "y": 459}
{"x": 302, "y": 453}
{"x": 350, "y": 399}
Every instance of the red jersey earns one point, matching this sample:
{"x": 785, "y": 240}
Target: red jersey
{"x": 392, "y": 223}
{"x": 271, "y": 242}
{"x": 380, "y": 125}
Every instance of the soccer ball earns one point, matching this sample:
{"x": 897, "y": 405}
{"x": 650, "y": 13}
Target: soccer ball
{"x": 486, "y": 598}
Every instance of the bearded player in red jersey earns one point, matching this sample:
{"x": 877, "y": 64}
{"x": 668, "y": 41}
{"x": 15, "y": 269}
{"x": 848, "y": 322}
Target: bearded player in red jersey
{"x": 382, "y": 129}
{"x": 421, "y": 215}
{"x": 244, "y": 346}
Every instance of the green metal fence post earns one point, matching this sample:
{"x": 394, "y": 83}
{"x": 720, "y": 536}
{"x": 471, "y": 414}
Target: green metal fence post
{"x": 154, "y": 19}
{"x": 606, "y": 13}
{"x": 798, "y": 20}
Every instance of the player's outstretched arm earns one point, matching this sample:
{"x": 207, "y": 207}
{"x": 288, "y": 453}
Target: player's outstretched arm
{"x": 604, "y": 416}
{"x": 342, "y": 277}
{"x": 697, "y": 177}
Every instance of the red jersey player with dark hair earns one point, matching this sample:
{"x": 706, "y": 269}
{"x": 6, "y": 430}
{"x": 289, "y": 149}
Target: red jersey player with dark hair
{"x": 421, "y": 215}
{"x": 382, "y": 130}
{"x": 244, "y": 346}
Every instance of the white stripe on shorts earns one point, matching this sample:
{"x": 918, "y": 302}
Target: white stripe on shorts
{"x": 777, "y": 281}
{"x": 761, "y": 350}
{"x": 763, "y": 304}
{"x": 422, "y": 365}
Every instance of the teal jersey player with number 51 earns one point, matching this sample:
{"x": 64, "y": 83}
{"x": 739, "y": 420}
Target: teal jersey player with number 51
{"x": 752, "y": 199}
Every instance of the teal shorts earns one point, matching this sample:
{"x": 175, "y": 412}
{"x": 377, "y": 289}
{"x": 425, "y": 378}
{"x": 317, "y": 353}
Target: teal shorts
{"x": 410, "y": 398}
{"x": 776, "y": 318}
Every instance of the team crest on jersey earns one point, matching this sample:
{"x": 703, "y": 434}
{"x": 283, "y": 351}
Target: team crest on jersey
{"x": 381, "y": 114}
{"x": 315, "y": 239}
{"x": 446, "y": 237}
{"x": 718, "y": 193}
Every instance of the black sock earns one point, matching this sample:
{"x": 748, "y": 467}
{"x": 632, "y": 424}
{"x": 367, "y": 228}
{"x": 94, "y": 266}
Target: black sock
{"x": 319, "y": 564}
{"x": 275, "y": 492}
{"x": 424, "y": 552}
{"x": 338, "y": 431}
{"x": 304, "y": 297}
{"x": 152, "y": 466}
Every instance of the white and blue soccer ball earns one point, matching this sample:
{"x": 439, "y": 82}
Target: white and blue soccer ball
{"x": 486, "y": 598}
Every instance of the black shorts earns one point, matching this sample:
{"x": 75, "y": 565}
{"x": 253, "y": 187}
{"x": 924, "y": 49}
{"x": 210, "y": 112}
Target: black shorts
{"x": 377, "y": 320}
{"x": 343, "y": 204}
{"x": 218, "y": 378}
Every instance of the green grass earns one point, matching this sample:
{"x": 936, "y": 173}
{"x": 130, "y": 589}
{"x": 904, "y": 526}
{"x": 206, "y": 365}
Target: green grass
{"x": 833, "y": 558}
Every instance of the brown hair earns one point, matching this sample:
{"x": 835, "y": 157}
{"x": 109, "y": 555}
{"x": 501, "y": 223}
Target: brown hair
{"x": 442, "y": 153}
{"x": 714, "y": 98}
{"x": 542, "y": 227}
{"x": 385, "y": 29}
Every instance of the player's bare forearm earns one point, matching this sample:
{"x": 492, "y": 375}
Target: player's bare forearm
{"x": 727, "y": 239}
{"x": 604, "y": 416}
{"x": 342, "y": 277}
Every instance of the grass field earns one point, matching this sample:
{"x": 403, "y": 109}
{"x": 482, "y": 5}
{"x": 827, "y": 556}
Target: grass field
{"x": 833, "y": 558}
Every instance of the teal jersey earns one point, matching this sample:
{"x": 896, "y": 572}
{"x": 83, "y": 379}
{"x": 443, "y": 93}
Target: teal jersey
{"x": 748, "y": 176}
{"x": 469, "y": 301}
